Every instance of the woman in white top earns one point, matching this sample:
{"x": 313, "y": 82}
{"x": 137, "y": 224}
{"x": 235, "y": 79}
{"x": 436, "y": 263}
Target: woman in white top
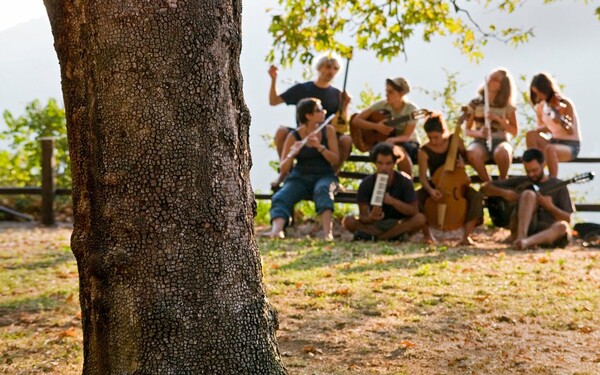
{"x": 557, "y": 116}
{"x": 503, "y": 121}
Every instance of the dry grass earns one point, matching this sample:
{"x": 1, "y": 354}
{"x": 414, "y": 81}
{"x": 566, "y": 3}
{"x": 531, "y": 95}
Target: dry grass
{"x": 350, "y": 308}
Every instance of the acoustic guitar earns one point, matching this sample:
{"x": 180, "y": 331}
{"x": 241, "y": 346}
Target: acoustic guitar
{"x": 365, "y": 139}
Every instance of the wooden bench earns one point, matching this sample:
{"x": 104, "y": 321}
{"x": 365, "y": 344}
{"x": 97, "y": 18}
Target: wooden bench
{"x": 349, "y": 196}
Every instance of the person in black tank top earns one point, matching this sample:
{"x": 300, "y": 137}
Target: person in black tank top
{"x": 312, "y": 176}
{"x": 432, "y": 155}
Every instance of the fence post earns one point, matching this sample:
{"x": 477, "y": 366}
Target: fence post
{"x": 48, "y": 181}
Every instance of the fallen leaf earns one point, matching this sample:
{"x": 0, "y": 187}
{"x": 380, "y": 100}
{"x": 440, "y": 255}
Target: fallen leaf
{"x": 71, "y": 332}
{"x": 406, "y": 344}
{"x": 70, "y": 298}
{"x": 542, "y": 259}
{"x": 586, "y": 330}
{"x": 342, "y": 292}
{"x": 311, "y": 349}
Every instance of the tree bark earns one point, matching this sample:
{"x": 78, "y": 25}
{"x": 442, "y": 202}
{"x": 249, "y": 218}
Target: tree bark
{"x": 170, "y": 273}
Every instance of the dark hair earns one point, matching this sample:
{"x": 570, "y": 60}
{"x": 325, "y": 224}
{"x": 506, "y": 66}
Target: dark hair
{"x": 384, "y": 149}
{"x": 545, "y": 84}
{"x": 435, "y": 123}
{"x": 533, "y": 154}
{"x": 304, "y": 107}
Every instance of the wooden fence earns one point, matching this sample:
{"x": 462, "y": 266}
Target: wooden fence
{"x": 49, "y": 191}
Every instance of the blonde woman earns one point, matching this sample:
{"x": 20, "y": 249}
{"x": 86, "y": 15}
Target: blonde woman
{"x": 503, "y": 121}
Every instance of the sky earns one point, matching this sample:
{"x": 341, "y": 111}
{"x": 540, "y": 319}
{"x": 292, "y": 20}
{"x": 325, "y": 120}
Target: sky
{"x": 565, "y": 44}
{"x": 14, "y": 12}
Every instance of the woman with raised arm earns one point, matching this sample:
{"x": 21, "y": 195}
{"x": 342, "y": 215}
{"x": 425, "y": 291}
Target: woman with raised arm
{"x": 557, "y": 133}
{"x": 402, "y": 135}
{"x": 502, "y": 121}
{"x": 312, "y": 176}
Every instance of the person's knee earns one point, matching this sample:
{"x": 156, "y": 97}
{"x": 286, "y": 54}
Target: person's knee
{"x": 531, "y": 138}
{"x": 350, "y": 222}
{"x": 527, "y": 196}
{"x": 281, "y": 133}
{"x": 474, "y": 156}
{"x": 419, "y": 220}
{"x": 562, "y": 228}
{"x": 345, "y": 142}
{"x": 502, "y": 153}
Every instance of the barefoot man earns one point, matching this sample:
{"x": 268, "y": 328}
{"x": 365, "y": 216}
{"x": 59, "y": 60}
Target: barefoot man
{"x": 538, "y": 219}
{"x": 398, "y": 215}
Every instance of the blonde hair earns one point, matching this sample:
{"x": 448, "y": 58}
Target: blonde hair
{"x": 330, "y": 57}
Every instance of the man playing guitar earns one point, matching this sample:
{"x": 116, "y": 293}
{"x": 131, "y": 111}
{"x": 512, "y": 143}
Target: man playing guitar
{"x": 402, "y": 136}
{"x": 538, "y": 219}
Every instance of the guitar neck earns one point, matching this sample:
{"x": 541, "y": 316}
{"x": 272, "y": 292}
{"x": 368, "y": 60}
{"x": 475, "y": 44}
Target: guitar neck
{"x": 556, "y": 187}
{"x": 397, "y": 120}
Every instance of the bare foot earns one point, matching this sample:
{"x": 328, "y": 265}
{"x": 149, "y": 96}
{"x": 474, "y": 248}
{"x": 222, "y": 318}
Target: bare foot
{"x": 467, "y": 241}
{"x": 272, "y": 235}
{"x": 520, "y": 244}
{"x": 429, "y": 240}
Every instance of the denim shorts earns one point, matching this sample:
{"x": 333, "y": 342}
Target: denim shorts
{"x": 573, "y": 145}
{"x": 495, "y": 143}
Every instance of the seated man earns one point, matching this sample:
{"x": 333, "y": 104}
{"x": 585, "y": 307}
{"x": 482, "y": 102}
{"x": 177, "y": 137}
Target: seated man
{"x": 538, "y": 219}
{"x": 399, "y": 213}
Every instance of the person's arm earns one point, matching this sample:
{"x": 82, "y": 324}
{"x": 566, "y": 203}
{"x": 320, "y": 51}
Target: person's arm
{"x": 369, "y": 215}
{"x": 511, "y": 125}
{"x": 473, "y": 133}
{"x": 346, "y": 98}
{"x": 274, "y": 98}
{"x": 406, "y": 134}
{"x": 286, "y": 164}
{"x": 361, "y": 122}
{"x": 422, "y": 159}
{"x": 331, "y": 153}
{"x": 508, "y": 123}
{"x": 541, "y": 127}
{"x": 408, "y": 209}
{"x": 559, "y": 214}
{"x": 491, "y": 190}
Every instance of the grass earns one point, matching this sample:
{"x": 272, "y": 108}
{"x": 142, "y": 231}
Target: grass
{"x": 350, "y": 308}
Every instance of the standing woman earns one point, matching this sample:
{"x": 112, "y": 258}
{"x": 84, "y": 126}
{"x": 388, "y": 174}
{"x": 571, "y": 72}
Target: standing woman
{"x": 405, "y": 141}
{"x": 503, "y": 121}
{"x": 313, "y": 174}
{"x": 556, "y": 115}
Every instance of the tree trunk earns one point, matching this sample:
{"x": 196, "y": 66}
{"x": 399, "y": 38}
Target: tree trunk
{"x": 170, "y": 273}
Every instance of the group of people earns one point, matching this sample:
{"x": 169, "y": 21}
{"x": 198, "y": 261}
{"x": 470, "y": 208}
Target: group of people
{"x": 312, "y": 153}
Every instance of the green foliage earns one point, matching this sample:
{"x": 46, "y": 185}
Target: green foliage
{"x": 262, "y": 212}
{"x": 300, "y": 27}
{"x": 21, "y": 166}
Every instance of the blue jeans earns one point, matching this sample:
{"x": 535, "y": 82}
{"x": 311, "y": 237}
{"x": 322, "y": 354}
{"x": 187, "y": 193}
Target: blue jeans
{"x": 321, "y": 188}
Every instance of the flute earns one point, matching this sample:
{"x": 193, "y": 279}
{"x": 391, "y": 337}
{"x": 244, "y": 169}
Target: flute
{"x": 486, "y": 111}
{"x": 295, "y": 148}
